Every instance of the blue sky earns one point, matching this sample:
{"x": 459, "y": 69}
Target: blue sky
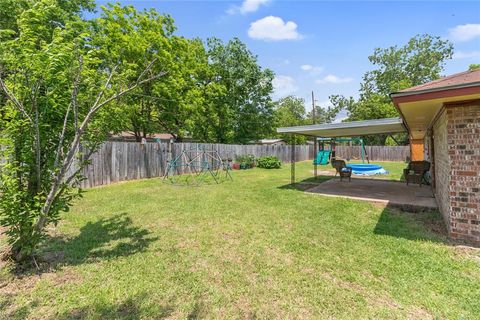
{"x": 324, "y": 45}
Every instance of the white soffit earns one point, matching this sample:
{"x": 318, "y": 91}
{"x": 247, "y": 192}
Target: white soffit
{"x": 348, "y": 129}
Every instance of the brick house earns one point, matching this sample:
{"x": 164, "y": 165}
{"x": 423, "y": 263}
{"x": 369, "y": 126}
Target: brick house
{"x": 443, "y": 121}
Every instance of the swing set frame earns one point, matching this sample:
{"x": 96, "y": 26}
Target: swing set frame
{"x": 334, "y": 141}
{"x": 194, "y": 166}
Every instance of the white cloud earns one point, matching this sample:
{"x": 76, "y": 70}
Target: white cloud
{"x": 284, "y": 85}
{"x": 465, "y": 32}
{"x": 247, "y": 6}
{"x": 273, "y": 29}
{"x": 333, "y": 79}
{"x": 310, "y": 68}
{"x": 466, "y": 54}
{"x": 342, "y": 115}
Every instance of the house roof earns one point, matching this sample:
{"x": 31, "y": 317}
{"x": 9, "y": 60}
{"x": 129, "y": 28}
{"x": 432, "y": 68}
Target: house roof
{"x": 348, "y": 129}
{"x": 420, "y": 105}
{"x": 129, "y": 134}
{"x": 270, "y": 140}
{"x": 417, "y": 105}
{"x": 457, "y": 80}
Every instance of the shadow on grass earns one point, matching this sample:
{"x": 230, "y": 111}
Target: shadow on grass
{"x": 423, "y": 226}
{"x": 130, "y": 308}
{"x": 6, "y": 303}
{"x": 306, "y": 184}
{"x": 408, "y": 222}
{"x": 103, "y": 239}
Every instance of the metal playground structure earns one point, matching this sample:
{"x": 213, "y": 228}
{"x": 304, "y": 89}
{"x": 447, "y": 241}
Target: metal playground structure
{"x": 196, "y": 166}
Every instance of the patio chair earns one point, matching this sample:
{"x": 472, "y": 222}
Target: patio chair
{"x": 415, "y": 172}
{"x": 342, "y": 169}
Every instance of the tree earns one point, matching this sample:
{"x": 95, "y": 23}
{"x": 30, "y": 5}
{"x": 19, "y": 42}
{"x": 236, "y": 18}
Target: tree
{"x": 290, "y": 111}
{"x": 183, "y": 99}
{"x": 323, "y": 114}
{"x": 237, "y": 94}
{"x": 474, "y": 66}
{"x": 214, "y": 94}
{"x": 419, "y": 61}
{"x": 123, "y": 33}
{"x": 59, "y": 86}
{"x": 10, "y": 10}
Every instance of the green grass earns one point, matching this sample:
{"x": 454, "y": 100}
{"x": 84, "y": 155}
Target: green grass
{"x": 254, "y": 247}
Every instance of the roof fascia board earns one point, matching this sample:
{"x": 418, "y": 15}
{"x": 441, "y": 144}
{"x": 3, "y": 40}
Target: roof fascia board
{"x": 441, "y": 92}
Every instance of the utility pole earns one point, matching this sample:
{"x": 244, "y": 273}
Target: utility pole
{"x": 315, "y": 149}
{"x": 313, "y": 108}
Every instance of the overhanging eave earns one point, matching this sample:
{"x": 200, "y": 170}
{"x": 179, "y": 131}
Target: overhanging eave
{"x": 348, "y": 129}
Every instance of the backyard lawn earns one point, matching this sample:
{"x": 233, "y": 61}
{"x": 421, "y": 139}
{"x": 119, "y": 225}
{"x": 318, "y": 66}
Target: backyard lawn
{"x": 250, "y": 248}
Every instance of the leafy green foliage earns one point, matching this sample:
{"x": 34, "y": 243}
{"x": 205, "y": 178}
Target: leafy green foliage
{"x": 60, "y": 78}
{"x": 290, "y": 111}
{"x": 67, "y": 83}
{"x": 474, "y": 66}
{"x": 213, "y": 93}
{"x": 322, "y": 114}
{"x": 38, "y": 61}
{"x": 235, "y": 95}
{"x": 269, "y": 162}
{"x": 246, "y": 161}
{"x": 136, "y": 38}
{"x": 419, "y": 61}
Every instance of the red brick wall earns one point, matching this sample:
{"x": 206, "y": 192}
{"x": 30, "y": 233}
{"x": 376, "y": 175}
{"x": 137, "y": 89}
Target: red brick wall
{"x": 441, "y": 166}
{"x": 463, "y": 138}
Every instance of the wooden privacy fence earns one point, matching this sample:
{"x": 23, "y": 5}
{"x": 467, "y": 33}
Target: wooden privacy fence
{"x": 122, "y": 161}
{"x": 375, "y": 153}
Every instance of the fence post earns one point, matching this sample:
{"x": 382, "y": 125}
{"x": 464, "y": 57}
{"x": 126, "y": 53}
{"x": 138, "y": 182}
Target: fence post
{"x": 292, "y": 162}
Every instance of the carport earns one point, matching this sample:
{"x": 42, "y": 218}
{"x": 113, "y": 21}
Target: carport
{"x": 342, "y": 129}
{"x": 393, "y": 193}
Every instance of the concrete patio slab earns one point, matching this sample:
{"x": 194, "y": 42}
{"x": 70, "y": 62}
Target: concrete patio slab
{"x": 398, "y": 194}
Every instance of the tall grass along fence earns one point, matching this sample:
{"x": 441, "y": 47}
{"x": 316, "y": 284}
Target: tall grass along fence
{"x": 122, "y": 161}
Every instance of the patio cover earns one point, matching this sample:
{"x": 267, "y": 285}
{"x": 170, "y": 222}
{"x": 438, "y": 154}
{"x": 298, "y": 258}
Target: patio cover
{"x": 349, "y": 129}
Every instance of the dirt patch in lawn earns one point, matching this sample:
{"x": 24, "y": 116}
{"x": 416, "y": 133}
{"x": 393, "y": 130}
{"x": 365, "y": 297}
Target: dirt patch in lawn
{"x": 467, "y": 252}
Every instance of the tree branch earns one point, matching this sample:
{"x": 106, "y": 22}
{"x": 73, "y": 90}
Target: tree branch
{"x": 94, "y": 109}
{"x": 67, "y": 161}
{"x": 62, "y": 137}
{"x": 73, "y": 104}
{"x": 36, "y": 124}
{"x": 76, "y": 83}
{"x": 110, "y": 76}
{"x": 14, "y": 100}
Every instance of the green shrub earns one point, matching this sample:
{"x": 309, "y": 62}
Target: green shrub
{"x": 246, "y": 161}
{"x": 269, "y": 162}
